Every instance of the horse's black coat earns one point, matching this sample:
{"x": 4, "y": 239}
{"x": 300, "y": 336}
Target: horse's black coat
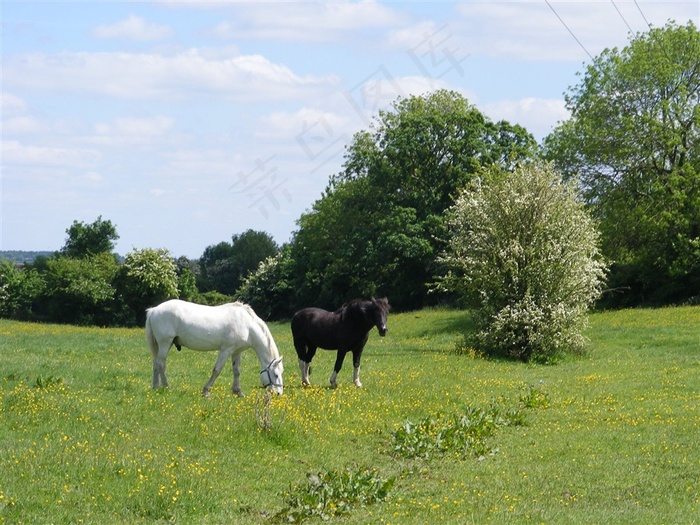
{"x": 345, "y": 330}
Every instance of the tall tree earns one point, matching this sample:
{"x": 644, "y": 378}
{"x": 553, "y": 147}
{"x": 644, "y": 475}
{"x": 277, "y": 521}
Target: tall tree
{"x": 85, "y": 240}
{"x": 633, "y": 139}
{"x": 379, "y": 225}
{"x": 215, "y": 268}
{"x": 249, "y": 249}
{"x": 225, "y": 265}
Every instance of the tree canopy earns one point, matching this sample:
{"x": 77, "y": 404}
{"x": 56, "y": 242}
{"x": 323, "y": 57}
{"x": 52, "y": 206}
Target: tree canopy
{"x": 224, "y": 265}
{"x": 633, "y": 139}
{"x": 85, "y": 240}
{"x": 380, "y": 223}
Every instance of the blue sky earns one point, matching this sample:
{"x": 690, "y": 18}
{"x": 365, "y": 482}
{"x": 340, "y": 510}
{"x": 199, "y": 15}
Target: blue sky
{"x": 185, "y": 122}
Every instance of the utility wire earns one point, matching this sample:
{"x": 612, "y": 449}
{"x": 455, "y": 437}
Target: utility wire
{"x": 642, "y": 13}
{"x": 569, "y": 30}
{"x": 621, "y": 15}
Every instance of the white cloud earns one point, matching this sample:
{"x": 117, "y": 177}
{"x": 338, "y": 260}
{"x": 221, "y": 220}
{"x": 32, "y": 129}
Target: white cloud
{"x": 126, "y": 132}
{"x": 133, "y": 28}
{"x": 16, "y": 153}
{"x": 143, "y": 75}
{"x": 281, "y": 125}
{"x": 408, "y": 37}
{"x": 537, "y": 115}
{"x": 23, "y": 125}
{"x": 131, "y": 126}
{"x": 558, "y": 30}
{"x": 378, "y": 91}
{"x": 305, "y": 21}
{"x": 11, "y": 104}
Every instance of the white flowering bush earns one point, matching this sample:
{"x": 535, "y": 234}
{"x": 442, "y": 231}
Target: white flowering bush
{"x": 524, "y": 253}
{"x": 268, "y": 290}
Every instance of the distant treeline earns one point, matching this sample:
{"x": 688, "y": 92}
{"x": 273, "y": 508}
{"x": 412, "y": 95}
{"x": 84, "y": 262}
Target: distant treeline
{"x": 20, "y": 256}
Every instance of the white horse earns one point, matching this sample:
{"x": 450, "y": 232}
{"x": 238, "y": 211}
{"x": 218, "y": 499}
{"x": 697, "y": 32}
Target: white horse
{"x": 229, "y": 328}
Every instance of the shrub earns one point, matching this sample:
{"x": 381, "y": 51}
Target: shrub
{"x": 524, "y": 254}
{"x": 212, "y": 298}
{"x": 268, "y": 290}
{"x": 19, "y": 288}
{"x": 332, "y": 493}
{"x": 79, "y": 290}
{"x": 146, "y": 278}
{"x": 464, "y": 434}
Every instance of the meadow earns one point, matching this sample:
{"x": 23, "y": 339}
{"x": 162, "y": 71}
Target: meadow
{"x": 608, "y": 437}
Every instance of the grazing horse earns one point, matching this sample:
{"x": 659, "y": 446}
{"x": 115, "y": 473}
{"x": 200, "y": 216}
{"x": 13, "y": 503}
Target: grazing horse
{"x": 346, "y": 330}
{"x": 229, "y": 328}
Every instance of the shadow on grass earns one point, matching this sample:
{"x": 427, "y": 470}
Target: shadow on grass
{"x": 425, "y": 331}
{"x": 460, "y": 324}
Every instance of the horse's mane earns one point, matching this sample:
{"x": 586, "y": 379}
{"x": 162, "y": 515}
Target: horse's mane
{"x": 383, "y": 304}
{"x": 361, "y": 305}
{"x": 266, "y": 330}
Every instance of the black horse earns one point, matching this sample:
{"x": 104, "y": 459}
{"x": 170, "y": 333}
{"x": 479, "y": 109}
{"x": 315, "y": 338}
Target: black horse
{"x": 346, "y": 330}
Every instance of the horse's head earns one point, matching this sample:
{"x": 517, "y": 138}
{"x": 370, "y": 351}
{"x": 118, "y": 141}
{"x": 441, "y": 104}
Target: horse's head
{"x": 271, "y": 377}
{"x": 380, "y": 311}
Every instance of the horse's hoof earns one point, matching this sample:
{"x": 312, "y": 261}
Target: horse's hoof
{"x": 205, "y": 394}
{"x": 358, "y": 384}
{"x": 334, "y": 385}
{"x": 238, "y": 393}
{"x": 305, "y": 383}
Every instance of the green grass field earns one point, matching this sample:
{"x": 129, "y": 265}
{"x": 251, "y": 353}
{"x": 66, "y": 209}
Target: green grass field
{"x": 616, "y": 438}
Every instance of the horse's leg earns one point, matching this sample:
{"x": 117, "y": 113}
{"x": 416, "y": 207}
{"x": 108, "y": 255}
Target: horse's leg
{"x": 218, "y": 366}
{"x": 338, "y": 365}
{"x": 307, "y": 365}
{"x": 236, "y": 388}
{"x": 159, "y": 366}
{"x": 305, "y": 353}
{"x": 304, "y": 368}
{"x": 356, "y": 356}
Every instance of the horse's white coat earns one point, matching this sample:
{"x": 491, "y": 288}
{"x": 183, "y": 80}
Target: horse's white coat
{"x": 229, "y": 328}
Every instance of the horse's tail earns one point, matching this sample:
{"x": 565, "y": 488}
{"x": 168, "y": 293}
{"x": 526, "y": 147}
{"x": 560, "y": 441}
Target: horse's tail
{"x": 150, "y": 339}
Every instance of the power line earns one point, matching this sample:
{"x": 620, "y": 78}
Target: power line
{"x": 621, "y": 16}
{"x": 642, "y": 13}
{"x": 569, "y": 30}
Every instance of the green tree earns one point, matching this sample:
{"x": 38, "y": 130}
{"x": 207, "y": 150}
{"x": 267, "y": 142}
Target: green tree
{"x": 187, "y": 285}
{"x": 224, "y": 265}
{"x": 146, "y": 278}
{"x": 269, "y": 289}
{"x": 523, "y": 253}
{"x": 379, "y": 225}
{"x": 215, "y": 267}
{"x": 19, "y": 289}
{"x": 79, "y": 290}
{"x": 85, "y": 240}
{"x": 249, "y": 250}
{"x": 187, "y": 273}
{"x": 633, "y": 139}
